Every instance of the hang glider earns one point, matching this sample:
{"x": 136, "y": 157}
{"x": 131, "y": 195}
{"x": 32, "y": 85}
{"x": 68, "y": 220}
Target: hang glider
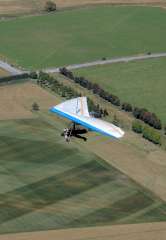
{"x": 76, "y": 110}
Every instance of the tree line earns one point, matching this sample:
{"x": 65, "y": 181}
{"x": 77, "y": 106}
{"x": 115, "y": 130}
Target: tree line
{"x": 139, "y": 113}
{"x": 147, "y": 132}
{"x": 45, "y": 80}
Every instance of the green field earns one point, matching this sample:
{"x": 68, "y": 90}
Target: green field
{"x": 48, "y": 184}
{"x": 82, "y": 35}
{"x": 141, "y": 83}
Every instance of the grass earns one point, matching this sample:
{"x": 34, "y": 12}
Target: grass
{"x": 117, "y": 210}
{"x": 48, "y": 184}
{"x": 82, "y": 35}
{"x": 140, "y": 83}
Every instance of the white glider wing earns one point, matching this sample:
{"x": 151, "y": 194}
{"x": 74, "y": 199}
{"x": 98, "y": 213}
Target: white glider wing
{"x": 76, "y": 110}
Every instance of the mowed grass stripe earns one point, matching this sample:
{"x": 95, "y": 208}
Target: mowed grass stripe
{"x": 26, "y": 147}
{"x": 36, "y": 152}
{"x": 118, "y": 210}
{"x": 22, "y": 170}
{"x": 85, "y": 203}
{"x": 8, "y": 181}
{"x": 142, "y": 212}
{"x": 32, "y": 152}
{"x": 27, "y": 173}
{"x": 155, "y": 215}
{"x": 39, "y": 130}
{"x": 15, "y": 146}
{"x": 52, "y": 189}
{"x": 62, "y": 213}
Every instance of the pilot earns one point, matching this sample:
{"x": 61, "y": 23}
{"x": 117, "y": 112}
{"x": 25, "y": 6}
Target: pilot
{"x": 69, "y": 132}
{"x": 66, "y": 133}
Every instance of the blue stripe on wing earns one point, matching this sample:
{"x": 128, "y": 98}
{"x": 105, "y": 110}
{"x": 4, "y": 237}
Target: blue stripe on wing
{"x": 81, "y": 122}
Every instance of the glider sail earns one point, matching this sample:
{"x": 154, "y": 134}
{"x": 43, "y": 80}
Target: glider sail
{"x": 76, "y": 110}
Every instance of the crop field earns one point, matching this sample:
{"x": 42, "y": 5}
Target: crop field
{"x": 48, "y": 184}
{"x": 72, "y": 3}
{"x": 81, "y": 35}
{"x": 140, "y": 83}
{"x": 19, "y": 7}
{"x": 16, "y": 104}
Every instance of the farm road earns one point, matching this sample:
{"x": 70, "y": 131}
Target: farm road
{"x": 108, "y": 61}
{"x": 14, "y": 71}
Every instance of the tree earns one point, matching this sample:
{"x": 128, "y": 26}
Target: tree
{"x": 127, "y": 107}
{"x": 50, "y": 6}
{"x": 35, "y": 107}
{"x": 152, "y": 135}
{"x": 137, "y": 126}
{"x": 105, "y": 113}
{"x": 33, "y": 75}
{"x": 113, "y": 99}
{"x": 165, "y": 129}
{"x": 148, "y": 117}
{"x": 67, "y": 73}
{"x": 115, "y": 121}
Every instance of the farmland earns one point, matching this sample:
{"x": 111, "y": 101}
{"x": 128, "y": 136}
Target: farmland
{"x": 15, "y": 104}
{"x": 20, "y": 7}
{"x": 81, "y": 35}
{"x": 48, "y": 184}
{"x": 114, "y": 232}
{"x": 101, "y": 189}
{"x": 139, "y": 83}
{"x": 55, "y": 185}
{"x": 73, "y": 3}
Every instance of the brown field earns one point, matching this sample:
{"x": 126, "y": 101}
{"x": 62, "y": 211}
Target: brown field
{"x": 72, "y": 3}
{"x": 3, "y": 73}
{"x": 148, "y": 231}
{"x": 14, "y": 7}
{"x": 16, "y": 100}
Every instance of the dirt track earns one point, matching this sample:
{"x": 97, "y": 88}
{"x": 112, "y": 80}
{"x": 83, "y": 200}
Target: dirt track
{"x": 149, "y": 231}
{"x": 72, "y": 3}
{"x": 108, "y": 61}
{"x": 14, "y": 7}
{"x": 19, "y": 6}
